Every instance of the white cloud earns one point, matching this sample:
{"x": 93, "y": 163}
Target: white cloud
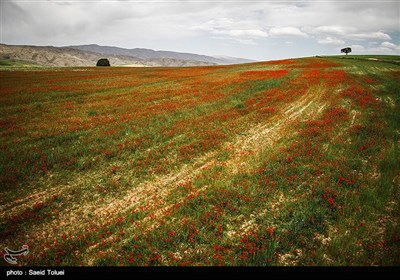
{"x": 214, "y": 24}
{"x": 264, "y": 26}
{"x": 357, "y": 48}
{"x": 230, "y": 41}
{"x": 387, "y": 48}
{"x": 370, "y": 35}
{"x": 347, "y": 32}
{"x": 389, "y": 45}
{"x": 204, "y": 23}
{"x": 332, "y": 30}
{"x": 229, "y": 27}
{"x": 286, "y": 31}
{"x": 330, "y": 41}
{"x": 248, "y": 32}
{"x": 246, "y": 41}
{"x": 383, "y": 48}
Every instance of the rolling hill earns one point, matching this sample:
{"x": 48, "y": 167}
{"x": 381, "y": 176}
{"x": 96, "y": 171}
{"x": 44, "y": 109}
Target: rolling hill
{"x": 152, "y": 54}
{"x": 87, "y": 55}
{"x": 65, "y": 56}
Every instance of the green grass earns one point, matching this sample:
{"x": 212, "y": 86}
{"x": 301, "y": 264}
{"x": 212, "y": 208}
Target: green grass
{"x": 12, "y": 63}
{"x": 395, "y": 59}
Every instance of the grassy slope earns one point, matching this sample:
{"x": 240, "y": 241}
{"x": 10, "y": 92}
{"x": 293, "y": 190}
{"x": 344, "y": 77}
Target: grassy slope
{"x": 12, "y": 64}
{"x": 383, "y": 57}
{"x": 395, "y": 59}
{"x": 290, "y": 162}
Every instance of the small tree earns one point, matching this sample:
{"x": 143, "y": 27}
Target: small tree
{"x": 103, "y": 62}
{"x": 346, "y": 50}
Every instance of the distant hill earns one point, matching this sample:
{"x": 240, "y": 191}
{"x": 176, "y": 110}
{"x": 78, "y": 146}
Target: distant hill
{"x": 233, "y": 60}
{"x": 54, "y": 56}
{"x": 152, "y": 54}
{"x": 67, "y": 56}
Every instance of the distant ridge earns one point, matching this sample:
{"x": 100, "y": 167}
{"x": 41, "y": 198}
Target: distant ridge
{"x": 152, "y": 54}
{"x": 66, "y": 56}
{"x": 59, "y": 57}
{"x": 87, "y": 55}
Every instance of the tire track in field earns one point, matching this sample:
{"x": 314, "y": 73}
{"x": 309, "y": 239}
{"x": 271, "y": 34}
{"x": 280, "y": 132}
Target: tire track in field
{"x": 73, "y": 221}
{"x": 29, "y": 201}
{"x": 244, "y": 148}
{"x": 39, "y": 194}
{"x": 259, "y": 134}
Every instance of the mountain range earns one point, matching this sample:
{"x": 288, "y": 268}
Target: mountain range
{"x": 152, "y": 54}
{"x": 87, "y": 55}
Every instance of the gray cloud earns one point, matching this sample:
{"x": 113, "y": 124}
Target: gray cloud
{"x": 331, "y": 41}
{"x": 247, "y": 29}
{"x": 370, "y": 35}
{"x": 287, "y": 31}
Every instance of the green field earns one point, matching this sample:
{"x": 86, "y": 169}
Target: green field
{"x": 291, "y": 162}
{"x": 395, "y": 59}
{"x": 12, "y": 64}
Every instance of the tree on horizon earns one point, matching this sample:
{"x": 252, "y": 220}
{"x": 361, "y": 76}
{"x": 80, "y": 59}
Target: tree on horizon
{"x": 103, "y": 62}
{"x": 346, "y": 50}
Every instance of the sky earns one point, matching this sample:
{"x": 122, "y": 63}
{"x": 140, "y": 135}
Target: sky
{"x": 258, "y": 30}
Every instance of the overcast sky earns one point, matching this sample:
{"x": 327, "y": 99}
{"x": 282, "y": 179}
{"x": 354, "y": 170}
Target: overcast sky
{"x": 260, "y": 30}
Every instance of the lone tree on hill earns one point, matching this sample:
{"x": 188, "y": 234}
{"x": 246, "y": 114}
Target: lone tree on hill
{"x": 103, "y": 62}
{"x": 346, "y": 50}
